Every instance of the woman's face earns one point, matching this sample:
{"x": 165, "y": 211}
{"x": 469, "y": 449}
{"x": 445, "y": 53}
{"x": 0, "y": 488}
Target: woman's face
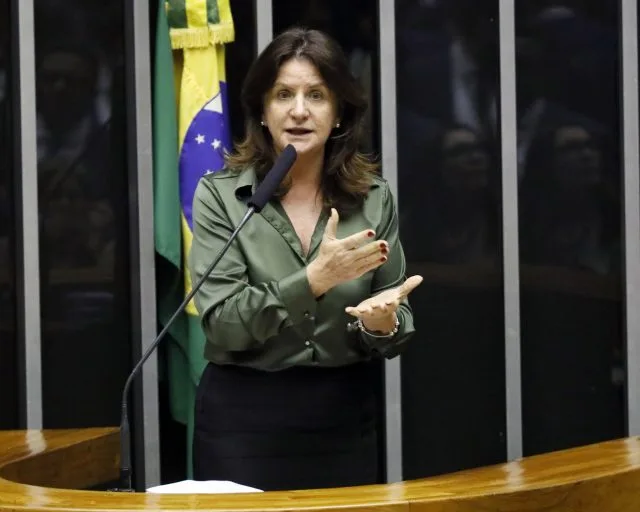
{"x": 576, "y": 157}
{"x": 300, "y": 109}
{"x": 66, "y": 88}
{"x": 465, "y": 162}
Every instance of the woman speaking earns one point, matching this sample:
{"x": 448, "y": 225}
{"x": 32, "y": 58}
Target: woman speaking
{"x": 309, "y": 294}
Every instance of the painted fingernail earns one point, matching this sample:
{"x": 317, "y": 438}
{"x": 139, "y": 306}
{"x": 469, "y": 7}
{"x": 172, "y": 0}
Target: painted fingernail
{"x": 383, "y": 245}
{"x": 383, "y": 259}
{"x": 384, "y": 250}
{"x": 370, "y": 234}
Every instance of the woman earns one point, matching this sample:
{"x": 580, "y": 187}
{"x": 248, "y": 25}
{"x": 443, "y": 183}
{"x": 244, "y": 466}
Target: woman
{"x": 461, "y": 211}
{"x": 570, "y": 212}
{"x": 311, "y": 291}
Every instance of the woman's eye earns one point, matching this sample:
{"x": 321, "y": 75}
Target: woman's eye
{"x": 316, "y": 95}
{"x": 283, "y": 95}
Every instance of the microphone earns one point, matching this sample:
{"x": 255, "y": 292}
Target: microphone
{"x": 273, "y": 178}
{"x": 256, "y": 203}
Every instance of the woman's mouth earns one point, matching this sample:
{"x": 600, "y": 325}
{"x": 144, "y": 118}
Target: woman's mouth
{"x": 298, "y": 132}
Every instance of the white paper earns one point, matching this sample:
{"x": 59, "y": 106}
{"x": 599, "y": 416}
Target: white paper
{"x": 202, "y": 487}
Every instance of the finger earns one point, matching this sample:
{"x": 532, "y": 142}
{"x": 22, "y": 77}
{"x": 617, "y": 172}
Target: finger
{"x": 409, "y": 285}
{"x": 382, "y": 307}
{"x": 385, "y": 305}
{"x": 370, "y": 263}
{"x": 331, "y": 229}
{"x": 360, "y": 311}
{"x": 375, "y": 314}
{"x": 379, "y": 248}
{"x": 392, "y": 306}
{"x": 357, "y": 239}
{"x": 364, "y": 310}
{"x": 351, "y": 311}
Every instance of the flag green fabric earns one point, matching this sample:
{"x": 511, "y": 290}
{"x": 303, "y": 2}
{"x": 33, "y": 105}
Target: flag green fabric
{"x": 191, "y": 133}
{"x": 166, "y": 196}
{"x": 167, "y": 223}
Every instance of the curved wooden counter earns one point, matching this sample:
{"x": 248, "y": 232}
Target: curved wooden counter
{"x": 37, "y": 468}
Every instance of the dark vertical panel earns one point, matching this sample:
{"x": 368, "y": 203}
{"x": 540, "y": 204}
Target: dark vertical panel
{"x": 239, "y": 55}
{"x": 9, "y": 409}
{"x": 573, "y": 361}
{"x": 449, "y": 187}
{"x": 83, "y": 200}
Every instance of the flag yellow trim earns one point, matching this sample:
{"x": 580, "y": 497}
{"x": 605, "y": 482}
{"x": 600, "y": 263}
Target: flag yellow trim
{"x": 199, "y": 34}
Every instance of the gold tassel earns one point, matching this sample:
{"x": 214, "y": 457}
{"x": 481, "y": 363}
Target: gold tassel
{"x": 189, "y": 38}
{"x": 182, "y": 38}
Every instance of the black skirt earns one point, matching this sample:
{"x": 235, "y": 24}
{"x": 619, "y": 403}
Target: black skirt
{"x": 299, "y": 428}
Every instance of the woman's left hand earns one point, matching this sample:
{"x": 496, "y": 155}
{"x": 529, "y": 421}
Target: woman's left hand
{"x": 378, "y": 313}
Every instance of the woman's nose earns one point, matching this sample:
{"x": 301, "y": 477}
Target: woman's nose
{"x": 299, "y": 107}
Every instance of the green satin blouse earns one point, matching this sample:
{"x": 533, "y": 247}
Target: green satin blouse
{"x": 257, "y": 308}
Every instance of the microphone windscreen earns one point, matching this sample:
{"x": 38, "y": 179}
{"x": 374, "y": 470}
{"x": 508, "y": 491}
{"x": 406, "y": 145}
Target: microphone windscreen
{"x": 274, "y": 177}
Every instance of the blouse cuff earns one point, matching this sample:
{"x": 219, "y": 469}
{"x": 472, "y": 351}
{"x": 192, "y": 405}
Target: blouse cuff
{"x": 297, "y": 297}
{"x": 387, "y": 346}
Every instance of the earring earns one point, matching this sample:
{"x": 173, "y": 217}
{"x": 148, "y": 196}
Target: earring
{"x": 261, "y": 123}
{"x": 337, "y": 125}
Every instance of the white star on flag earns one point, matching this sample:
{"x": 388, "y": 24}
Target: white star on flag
{"x": 216, "y": 143}
{"x": 200, "y": 139}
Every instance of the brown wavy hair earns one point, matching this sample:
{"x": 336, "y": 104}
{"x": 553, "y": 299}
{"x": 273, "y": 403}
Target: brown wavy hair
{"x": 347, "y": 173}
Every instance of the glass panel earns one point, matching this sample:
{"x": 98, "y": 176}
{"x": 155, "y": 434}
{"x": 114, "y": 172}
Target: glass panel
{"x": 453, "y": 377}
{"x": 570, "y": 230}
{"x": 239, "y": 55}
{"x": 8, "y": 343}
{"x": 83, "y": 201}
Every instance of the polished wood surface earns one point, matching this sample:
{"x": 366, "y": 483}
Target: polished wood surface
{"x": 38, "y": 468}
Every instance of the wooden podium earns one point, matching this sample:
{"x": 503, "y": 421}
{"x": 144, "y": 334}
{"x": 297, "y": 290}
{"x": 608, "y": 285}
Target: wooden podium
{"x": 41, "y": 471}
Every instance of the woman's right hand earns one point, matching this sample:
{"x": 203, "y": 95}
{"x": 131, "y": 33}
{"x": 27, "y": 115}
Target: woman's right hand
{"x": 341, "y": 260}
